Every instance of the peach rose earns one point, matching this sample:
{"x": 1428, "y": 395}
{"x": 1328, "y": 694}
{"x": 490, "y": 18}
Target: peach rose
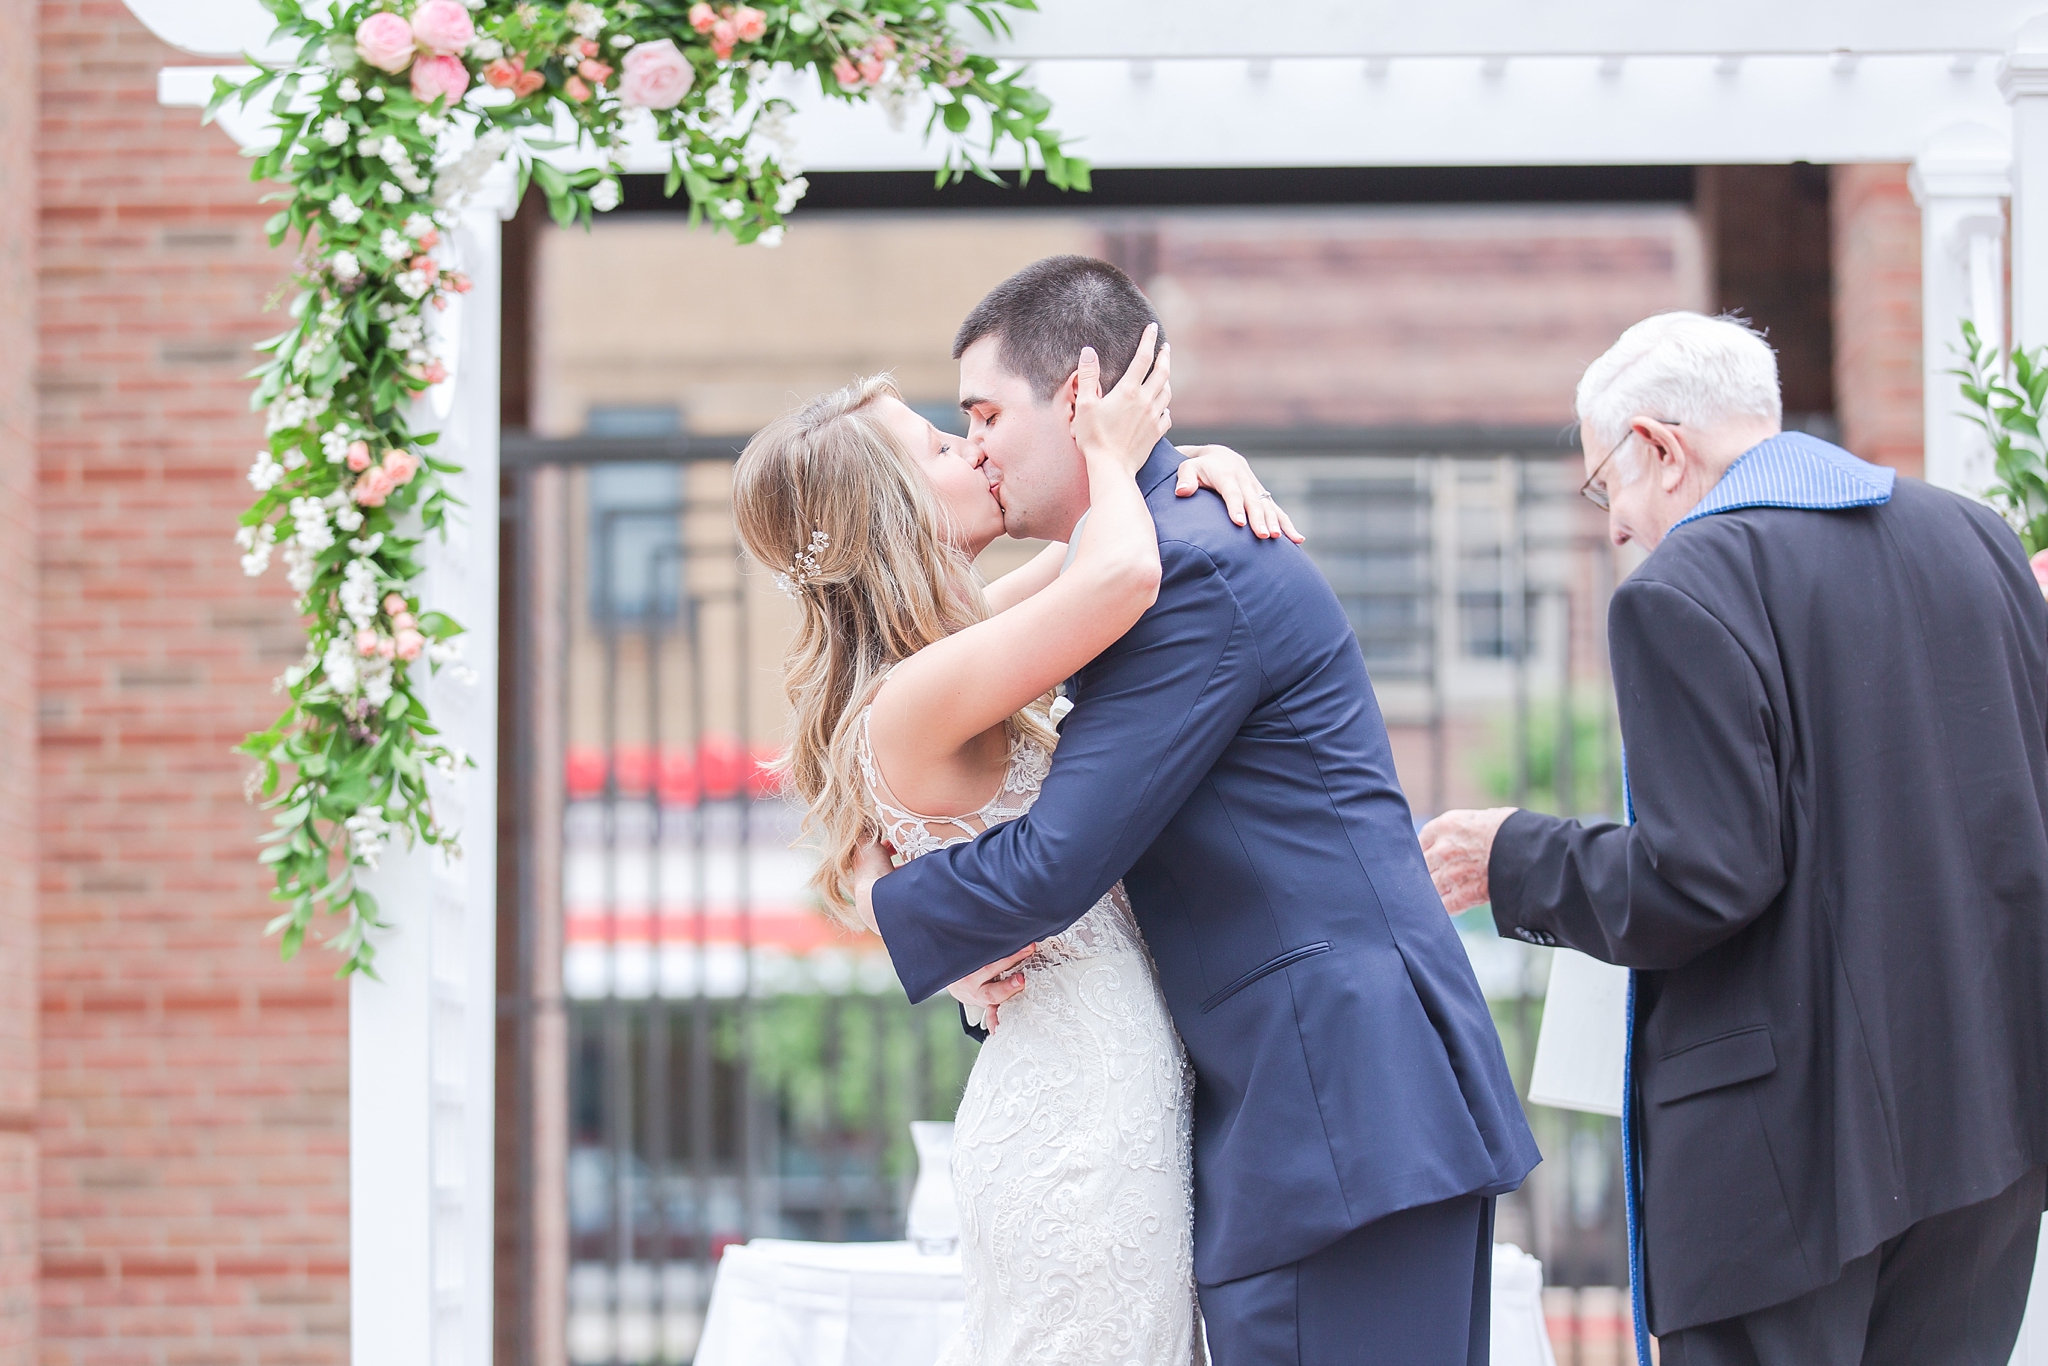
{"x": 528, "y": 82}
{"x": 443, "y": 27}
{"x": 372, "y": 488}
{"x": 846, "y": 73}
{"x": 702, "y": 17}
{"x": 403, "y": 621}
{"x": 883, "y": 46}
{"x": 394, "y": 602}
{"x": 366, "y": 641}
{"x": 359, "y": 456}
{"x": 429, "y": 239}
{"x": 585, "y": 47}
{"x": 575, "y": 89}
{"x": 749, "y": 23}
{"x": 386, "y": 646}
{"x": 401, "y": 466}
{"x": 433, "y": 77}
{"x": 459, "y": 282}
{"x": 385, "y": 41}
{"x": 434, "y": 372}
{"x": 504, "y": 73}
{"x": 871, "y": 70}
{"x": 723, "y": 36}
{"x": 408, "y": 644}
{"x": 594, "y": 71}
{"x": 656, "y": 75}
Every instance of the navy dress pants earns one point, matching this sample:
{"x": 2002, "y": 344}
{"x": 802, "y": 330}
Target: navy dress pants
{"x": 1412, "y": 1289}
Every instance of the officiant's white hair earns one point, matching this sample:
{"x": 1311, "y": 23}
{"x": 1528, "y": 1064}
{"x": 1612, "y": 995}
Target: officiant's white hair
{"x": 1685, "y": 368}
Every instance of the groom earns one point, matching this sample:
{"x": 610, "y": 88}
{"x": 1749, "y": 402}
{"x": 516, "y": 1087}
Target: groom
{"x": 1353, "y": 1116}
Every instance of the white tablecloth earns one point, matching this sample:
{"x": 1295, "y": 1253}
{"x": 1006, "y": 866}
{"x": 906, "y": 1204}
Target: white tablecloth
{"x": 780, "y": 1303}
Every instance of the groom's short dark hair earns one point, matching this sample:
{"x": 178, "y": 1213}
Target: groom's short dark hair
{"x": 1048, "y": 311}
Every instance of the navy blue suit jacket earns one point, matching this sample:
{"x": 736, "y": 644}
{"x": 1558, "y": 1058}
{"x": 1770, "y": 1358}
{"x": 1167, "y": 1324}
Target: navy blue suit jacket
{"x": 1227, "y": 760}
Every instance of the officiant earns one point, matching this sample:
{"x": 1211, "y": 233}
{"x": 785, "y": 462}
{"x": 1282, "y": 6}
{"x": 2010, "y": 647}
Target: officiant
{"x": 1833, "y": 693}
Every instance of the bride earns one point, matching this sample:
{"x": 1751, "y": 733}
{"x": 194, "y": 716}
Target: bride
{"x": 923, "y": 717}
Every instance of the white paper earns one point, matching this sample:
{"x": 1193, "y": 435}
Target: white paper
{"x": 1580, "y": 1049}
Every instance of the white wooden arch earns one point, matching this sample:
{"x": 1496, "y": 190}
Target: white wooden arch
{"x": 1958, "y": 89}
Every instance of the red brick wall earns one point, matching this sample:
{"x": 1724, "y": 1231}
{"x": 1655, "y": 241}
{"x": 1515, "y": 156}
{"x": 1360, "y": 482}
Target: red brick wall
{"x": 193, "y": 1113}
{"x": 1877, "y": 315}
{"x": 17, "y": 688}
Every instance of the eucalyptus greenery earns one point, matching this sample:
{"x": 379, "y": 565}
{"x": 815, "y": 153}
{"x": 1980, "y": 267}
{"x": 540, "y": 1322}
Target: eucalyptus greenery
{"x": 2007, "y": 401}
{"x": 393, "y": 112}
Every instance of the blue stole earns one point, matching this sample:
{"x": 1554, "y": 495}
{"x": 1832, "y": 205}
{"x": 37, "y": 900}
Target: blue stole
{"x": 1789, "y": 470}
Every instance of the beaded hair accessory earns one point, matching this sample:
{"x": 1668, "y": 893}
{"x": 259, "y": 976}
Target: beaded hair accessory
{"x": 801, "y": 569}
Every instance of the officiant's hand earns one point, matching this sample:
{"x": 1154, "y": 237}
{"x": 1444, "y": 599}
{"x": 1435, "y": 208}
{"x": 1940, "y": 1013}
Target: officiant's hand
{"x": 985, "y": 992}
{"x": 1457, "y": 846}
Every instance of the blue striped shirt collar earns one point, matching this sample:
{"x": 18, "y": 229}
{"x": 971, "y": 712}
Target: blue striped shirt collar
{"x": 1794, "y": 470}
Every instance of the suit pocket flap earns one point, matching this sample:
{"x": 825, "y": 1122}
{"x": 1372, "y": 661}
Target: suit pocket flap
{"x": 1744, "y": 1055}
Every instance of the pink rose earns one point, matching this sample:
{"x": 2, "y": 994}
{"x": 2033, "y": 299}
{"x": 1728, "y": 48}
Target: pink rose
{"x": 394, "y": 603}
{"x": 385, "y": 41}
{"x": 372, "y": 488}
{"x": 429, "y": 239}
{"x": 846, "y": 73}
{"x": 723, "y": 36}
{"x": 401, "y": 466}
{"x": 594, "y": 71}
{"x": 883, "y": 46}
{"x": 503, "y": 74}
{"x": 575, "y": 89}
{"x": 436, "y": 76}
{"x": 359, "y": 456}
{"x": 585, "y": 47}
{"x": 461, "y": 283}
{"x": 403, "y": 621}
{"x": 408, "y": 644}
{"x": 442, "y": 27}
{"x": 871, "y": 70}
{"x": 657, "y": 75}
{"x": 366, "y": 641}
{"x": 385, "y": 646}
{"x": 434, "y": 372}
{"x": 2040, "y": 563}
{"x": 702, "y": 18}
{"x": 749, "y": 23}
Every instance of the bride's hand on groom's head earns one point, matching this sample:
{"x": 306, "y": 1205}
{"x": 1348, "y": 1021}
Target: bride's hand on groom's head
{"x": 1127, "y": 422}
{"x": 1230, "y": 476}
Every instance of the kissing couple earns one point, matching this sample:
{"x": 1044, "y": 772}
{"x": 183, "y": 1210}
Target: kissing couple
{"x": 1238, "y": 1080}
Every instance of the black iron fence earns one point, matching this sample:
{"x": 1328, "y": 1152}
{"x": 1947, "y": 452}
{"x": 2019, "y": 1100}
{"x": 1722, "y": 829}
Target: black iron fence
{"x": 731, "y": 1066}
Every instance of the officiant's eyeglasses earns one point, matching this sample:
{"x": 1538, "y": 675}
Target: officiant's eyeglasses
{"x": 1594, "y": 491}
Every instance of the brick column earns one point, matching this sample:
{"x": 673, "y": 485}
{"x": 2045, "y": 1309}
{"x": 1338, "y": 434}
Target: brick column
{"x": 17, "y": 687}
{"x": 1877, "y": 314}
{"x": 194, "y": 1109}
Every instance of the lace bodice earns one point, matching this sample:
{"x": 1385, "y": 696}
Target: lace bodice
{"x": 1107, "y": 926}
{"x": 1073, "y": 1145}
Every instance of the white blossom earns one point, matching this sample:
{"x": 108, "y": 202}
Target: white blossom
{"x": 348, "y": 91}
{"x": 338, "y": 665}
{"x": 604, "y": 196}
{"x": 265, "y": 473}
{"x": 299, "y": 570}
{"x": 460, "y": 177}
{"x": 792, "y": 190}
{"x": 377, "y": 682}
{"x": 256, "y": 542}
{"x": 394, "y": 247}
{"x": 334, "y": 443}
{"x": 587, "y": 19}
{"x": 367, "y": 546}
{"x": 433, "y": 125}
{"x": 447, "y": 654}
{"x": 309, "y": 518}
{"x": 414, "y": 284}
{"x": 372, "y": 146}
{"x": 770, "y": 237}
{"x": 375, "y": 94}
{"x": 344, "y": 210}
{"x": 389, "y": 191}
{"x": 346, "y": 266}
{"x": 359, "y": 592}
{"x": 334, "y": 130}
{"x": 367, "y": 833}
{"x": 418, "y": 225}
{"x": 348, "y": 517}
{"x": 622, "y": 40}
{"x": 490, "y": 49}
{"x": 731, "y": 208}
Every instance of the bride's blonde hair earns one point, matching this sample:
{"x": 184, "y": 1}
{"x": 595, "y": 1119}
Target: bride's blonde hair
{"x": 827, "y": 499}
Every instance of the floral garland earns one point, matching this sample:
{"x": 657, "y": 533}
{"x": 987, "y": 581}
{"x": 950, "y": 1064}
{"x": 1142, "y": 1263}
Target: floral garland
{"x": 389, "y": 117}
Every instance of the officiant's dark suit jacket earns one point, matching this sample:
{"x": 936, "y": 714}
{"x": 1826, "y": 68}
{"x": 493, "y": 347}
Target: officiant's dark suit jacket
{"x": 1836, "y": 727}
{"x": 1226, "y": 760}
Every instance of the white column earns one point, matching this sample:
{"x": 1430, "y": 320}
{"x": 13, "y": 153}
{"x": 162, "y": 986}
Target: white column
{"x": 422, "y": 1041}
{"x": 1961, "y": 182}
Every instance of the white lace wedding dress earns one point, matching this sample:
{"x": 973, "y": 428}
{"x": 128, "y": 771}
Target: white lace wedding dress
{"x": 1072, "y": 1146}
